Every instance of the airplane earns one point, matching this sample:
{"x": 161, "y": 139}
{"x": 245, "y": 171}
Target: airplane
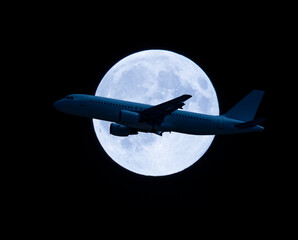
{"x": 130, "y": 118}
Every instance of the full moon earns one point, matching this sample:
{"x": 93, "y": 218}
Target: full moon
{"x": 153, "y": 77}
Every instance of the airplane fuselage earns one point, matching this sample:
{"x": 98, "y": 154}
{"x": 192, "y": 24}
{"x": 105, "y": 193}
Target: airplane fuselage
{"x": 113, "y": 110}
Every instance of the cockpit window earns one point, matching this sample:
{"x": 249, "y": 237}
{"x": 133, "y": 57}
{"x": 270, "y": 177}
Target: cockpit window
{"x": 69, "y": 97}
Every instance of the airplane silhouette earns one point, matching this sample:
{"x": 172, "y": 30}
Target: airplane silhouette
{"x": 130, "y": 118}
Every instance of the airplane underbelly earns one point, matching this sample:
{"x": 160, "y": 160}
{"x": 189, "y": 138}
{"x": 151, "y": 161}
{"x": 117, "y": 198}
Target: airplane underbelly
{"x": 142, "y": 126}
{"x": 203, "y": 127}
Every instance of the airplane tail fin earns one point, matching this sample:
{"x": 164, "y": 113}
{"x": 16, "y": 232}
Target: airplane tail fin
{"x": 246, "y": 109}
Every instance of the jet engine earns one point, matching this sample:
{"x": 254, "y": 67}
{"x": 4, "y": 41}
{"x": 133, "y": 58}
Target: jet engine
{"x": 129, "y": 117}
{"x": 121, "y": 130}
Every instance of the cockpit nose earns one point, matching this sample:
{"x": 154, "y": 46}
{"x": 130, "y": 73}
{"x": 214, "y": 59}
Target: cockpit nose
{"x": 57, "y": 105}
{"x": 62, "y": 104}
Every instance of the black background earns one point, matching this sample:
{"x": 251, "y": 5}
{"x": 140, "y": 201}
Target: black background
{"x": 76, "y": 185}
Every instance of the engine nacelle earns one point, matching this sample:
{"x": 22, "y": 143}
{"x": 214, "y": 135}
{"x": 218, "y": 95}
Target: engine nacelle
{"x": 120, "y": 130}
{"x": 129, "y": 117}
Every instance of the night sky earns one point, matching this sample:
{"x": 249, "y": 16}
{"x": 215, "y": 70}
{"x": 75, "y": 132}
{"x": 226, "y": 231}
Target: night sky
{"x": 231, "y": 186}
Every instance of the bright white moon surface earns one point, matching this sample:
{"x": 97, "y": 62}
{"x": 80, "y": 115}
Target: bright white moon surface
{"x": 153, "y": 77}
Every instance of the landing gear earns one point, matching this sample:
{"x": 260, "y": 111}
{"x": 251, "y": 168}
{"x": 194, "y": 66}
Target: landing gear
{"x": 159, "y": 133}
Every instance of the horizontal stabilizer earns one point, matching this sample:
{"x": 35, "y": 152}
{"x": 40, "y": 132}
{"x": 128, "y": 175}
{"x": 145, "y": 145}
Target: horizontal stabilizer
{"x": 246, "y": 109}
{"x": 250, "y": 124}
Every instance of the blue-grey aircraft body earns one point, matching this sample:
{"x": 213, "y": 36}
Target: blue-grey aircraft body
{"x": 129, "y": 118}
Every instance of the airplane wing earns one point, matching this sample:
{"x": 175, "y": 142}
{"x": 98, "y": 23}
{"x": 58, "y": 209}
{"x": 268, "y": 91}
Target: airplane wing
{"x": 157, "y": 113}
